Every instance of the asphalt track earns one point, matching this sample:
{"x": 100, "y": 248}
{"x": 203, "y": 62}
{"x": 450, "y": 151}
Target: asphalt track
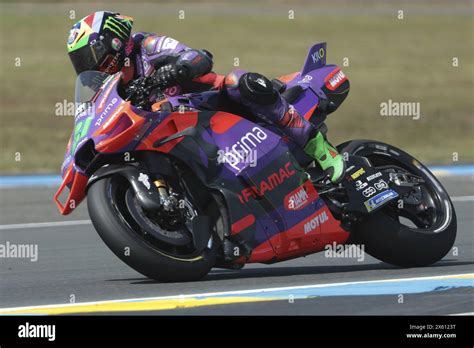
{"x": 75, "y": 267}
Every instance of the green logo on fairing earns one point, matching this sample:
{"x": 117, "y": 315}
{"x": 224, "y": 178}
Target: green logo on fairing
{"x": 80, "y": 131}
{"x": 121, "y": 28}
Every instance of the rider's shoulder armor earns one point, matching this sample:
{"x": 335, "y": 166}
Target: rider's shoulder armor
{"x": 151, "y": 47}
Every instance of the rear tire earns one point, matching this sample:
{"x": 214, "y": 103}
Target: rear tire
{"x": 389, "y": 240}
{"x": 128, "y": 245}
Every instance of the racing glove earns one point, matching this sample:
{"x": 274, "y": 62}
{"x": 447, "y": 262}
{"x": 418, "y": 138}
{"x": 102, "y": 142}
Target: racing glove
{"x": 187, "y": 66}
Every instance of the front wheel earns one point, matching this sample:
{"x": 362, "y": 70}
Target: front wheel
{"x": 158, "y": 251}
{"x": 416, "y": 230}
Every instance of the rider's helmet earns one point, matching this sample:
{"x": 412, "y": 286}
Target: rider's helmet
{"x": 100, "y": 41}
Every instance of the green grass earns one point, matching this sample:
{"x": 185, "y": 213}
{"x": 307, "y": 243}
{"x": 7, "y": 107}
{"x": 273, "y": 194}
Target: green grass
{"x": 403, "y": 60}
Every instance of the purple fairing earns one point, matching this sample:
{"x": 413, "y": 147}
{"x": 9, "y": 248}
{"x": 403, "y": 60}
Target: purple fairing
{"x": 97, "y": 115}
{"x": 270, "y": 154}
{"x": 245, "y": 144}
{"x": 312, "y": 82}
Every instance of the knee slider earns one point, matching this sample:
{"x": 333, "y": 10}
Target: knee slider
{"x": 257, "y": 89}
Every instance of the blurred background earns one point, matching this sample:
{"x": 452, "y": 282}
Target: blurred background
{"x": 413, "y": 51}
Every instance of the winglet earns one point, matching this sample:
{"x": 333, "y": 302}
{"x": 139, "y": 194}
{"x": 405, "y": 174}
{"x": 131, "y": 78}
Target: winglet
{"x": 316, "y": 58}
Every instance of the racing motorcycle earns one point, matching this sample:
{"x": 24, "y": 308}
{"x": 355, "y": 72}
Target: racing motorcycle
{"x": 194, "y": 183}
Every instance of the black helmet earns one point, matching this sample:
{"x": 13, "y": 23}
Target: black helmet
{"x": 100, "y": 41}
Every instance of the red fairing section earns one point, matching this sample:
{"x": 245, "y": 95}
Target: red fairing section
{"x": 242, "y": 224}
{"x": 308, "y": 236}
{"x": 212, "y": 79}
{"x": 77, "y": 184}
{"x": 174, "y": 123}
{"x": 221, "y": 122}
{"x": 121, "y": 128}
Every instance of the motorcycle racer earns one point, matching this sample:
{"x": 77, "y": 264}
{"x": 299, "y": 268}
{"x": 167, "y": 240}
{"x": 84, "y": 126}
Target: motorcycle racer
{"x": 103, "y": 41}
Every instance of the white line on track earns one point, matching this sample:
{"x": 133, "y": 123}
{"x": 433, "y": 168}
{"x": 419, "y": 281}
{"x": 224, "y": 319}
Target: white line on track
{"x": 462, "y": 198}
{"x": 45, "y": 224}
{"x": 237, "y": 292}
{"x": 87, "y": 222}
{"x": 469, "y": 313}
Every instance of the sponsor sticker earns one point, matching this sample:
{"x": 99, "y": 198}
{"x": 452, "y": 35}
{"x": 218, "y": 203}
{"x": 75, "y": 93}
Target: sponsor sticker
{"x": 169, "y": 44}
{"x": 306, "y": 79}
{"x": 261, "y": 82}
{"x": 106, "y": 93}
{"x": 360, "y": 185}
{"x": 315, "y": 222}
{"x": 271, "y": 182}
{"x": 337, "y": 80}
{"x": 374, "y": 176}
{"x": 144, "y": 179}
{"x": 72, "y": 35}
{"x": 357, "y": 173}
{"x": 106, "y": 111}
{"x": 318, "y": 55}
{"x": 116, "y": 44}
{"x": 379, "y": 200}
{"x": 300, "y": 197}
{"x": 369, "y": 192}
{"x": 381, "y": 185}
{"x": 240, "y": 152}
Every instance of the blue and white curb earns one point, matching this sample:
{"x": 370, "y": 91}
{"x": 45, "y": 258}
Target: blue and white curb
{"x": 460, "y": 170}
{"x": 30, "y": 180}
{"x": 433, "y": 284}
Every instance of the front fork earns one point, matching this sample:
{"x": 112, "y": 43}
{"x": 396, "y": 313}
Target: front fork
{"x": 168, "y": 201}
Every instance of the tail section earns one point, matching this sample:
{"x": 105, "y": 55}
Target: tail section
{"x": 316, "y": 58}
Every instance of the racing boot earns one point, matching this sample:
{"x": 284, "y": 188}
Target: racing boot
{"x": 326, "y": 156}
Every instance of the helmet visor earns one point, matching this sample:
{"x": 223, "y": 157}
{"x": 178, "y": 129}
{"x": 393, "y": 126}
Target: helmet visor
{"x": 88, "y": 57}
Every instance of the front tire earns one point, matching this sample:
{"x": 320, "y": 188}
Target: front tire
{"x": 126, "y": 242}
{"x": 383, "y": 235}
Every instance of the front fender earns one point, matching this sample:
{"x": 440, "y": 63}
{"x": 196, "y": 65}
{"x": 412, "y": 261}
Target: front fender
{"x": 145, "y": 191}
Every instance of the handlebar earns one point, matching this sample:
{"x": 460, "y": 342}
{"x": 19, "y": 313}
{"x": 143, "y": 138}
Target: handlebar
{"x": 139, "y": 91}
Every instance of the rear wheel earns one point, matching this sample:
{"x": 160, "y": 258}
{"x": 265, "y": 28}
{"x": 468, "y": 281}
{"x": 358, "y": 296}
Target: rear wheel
{"x": 157, "y": 247}
{"x": 419, "y": 228}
